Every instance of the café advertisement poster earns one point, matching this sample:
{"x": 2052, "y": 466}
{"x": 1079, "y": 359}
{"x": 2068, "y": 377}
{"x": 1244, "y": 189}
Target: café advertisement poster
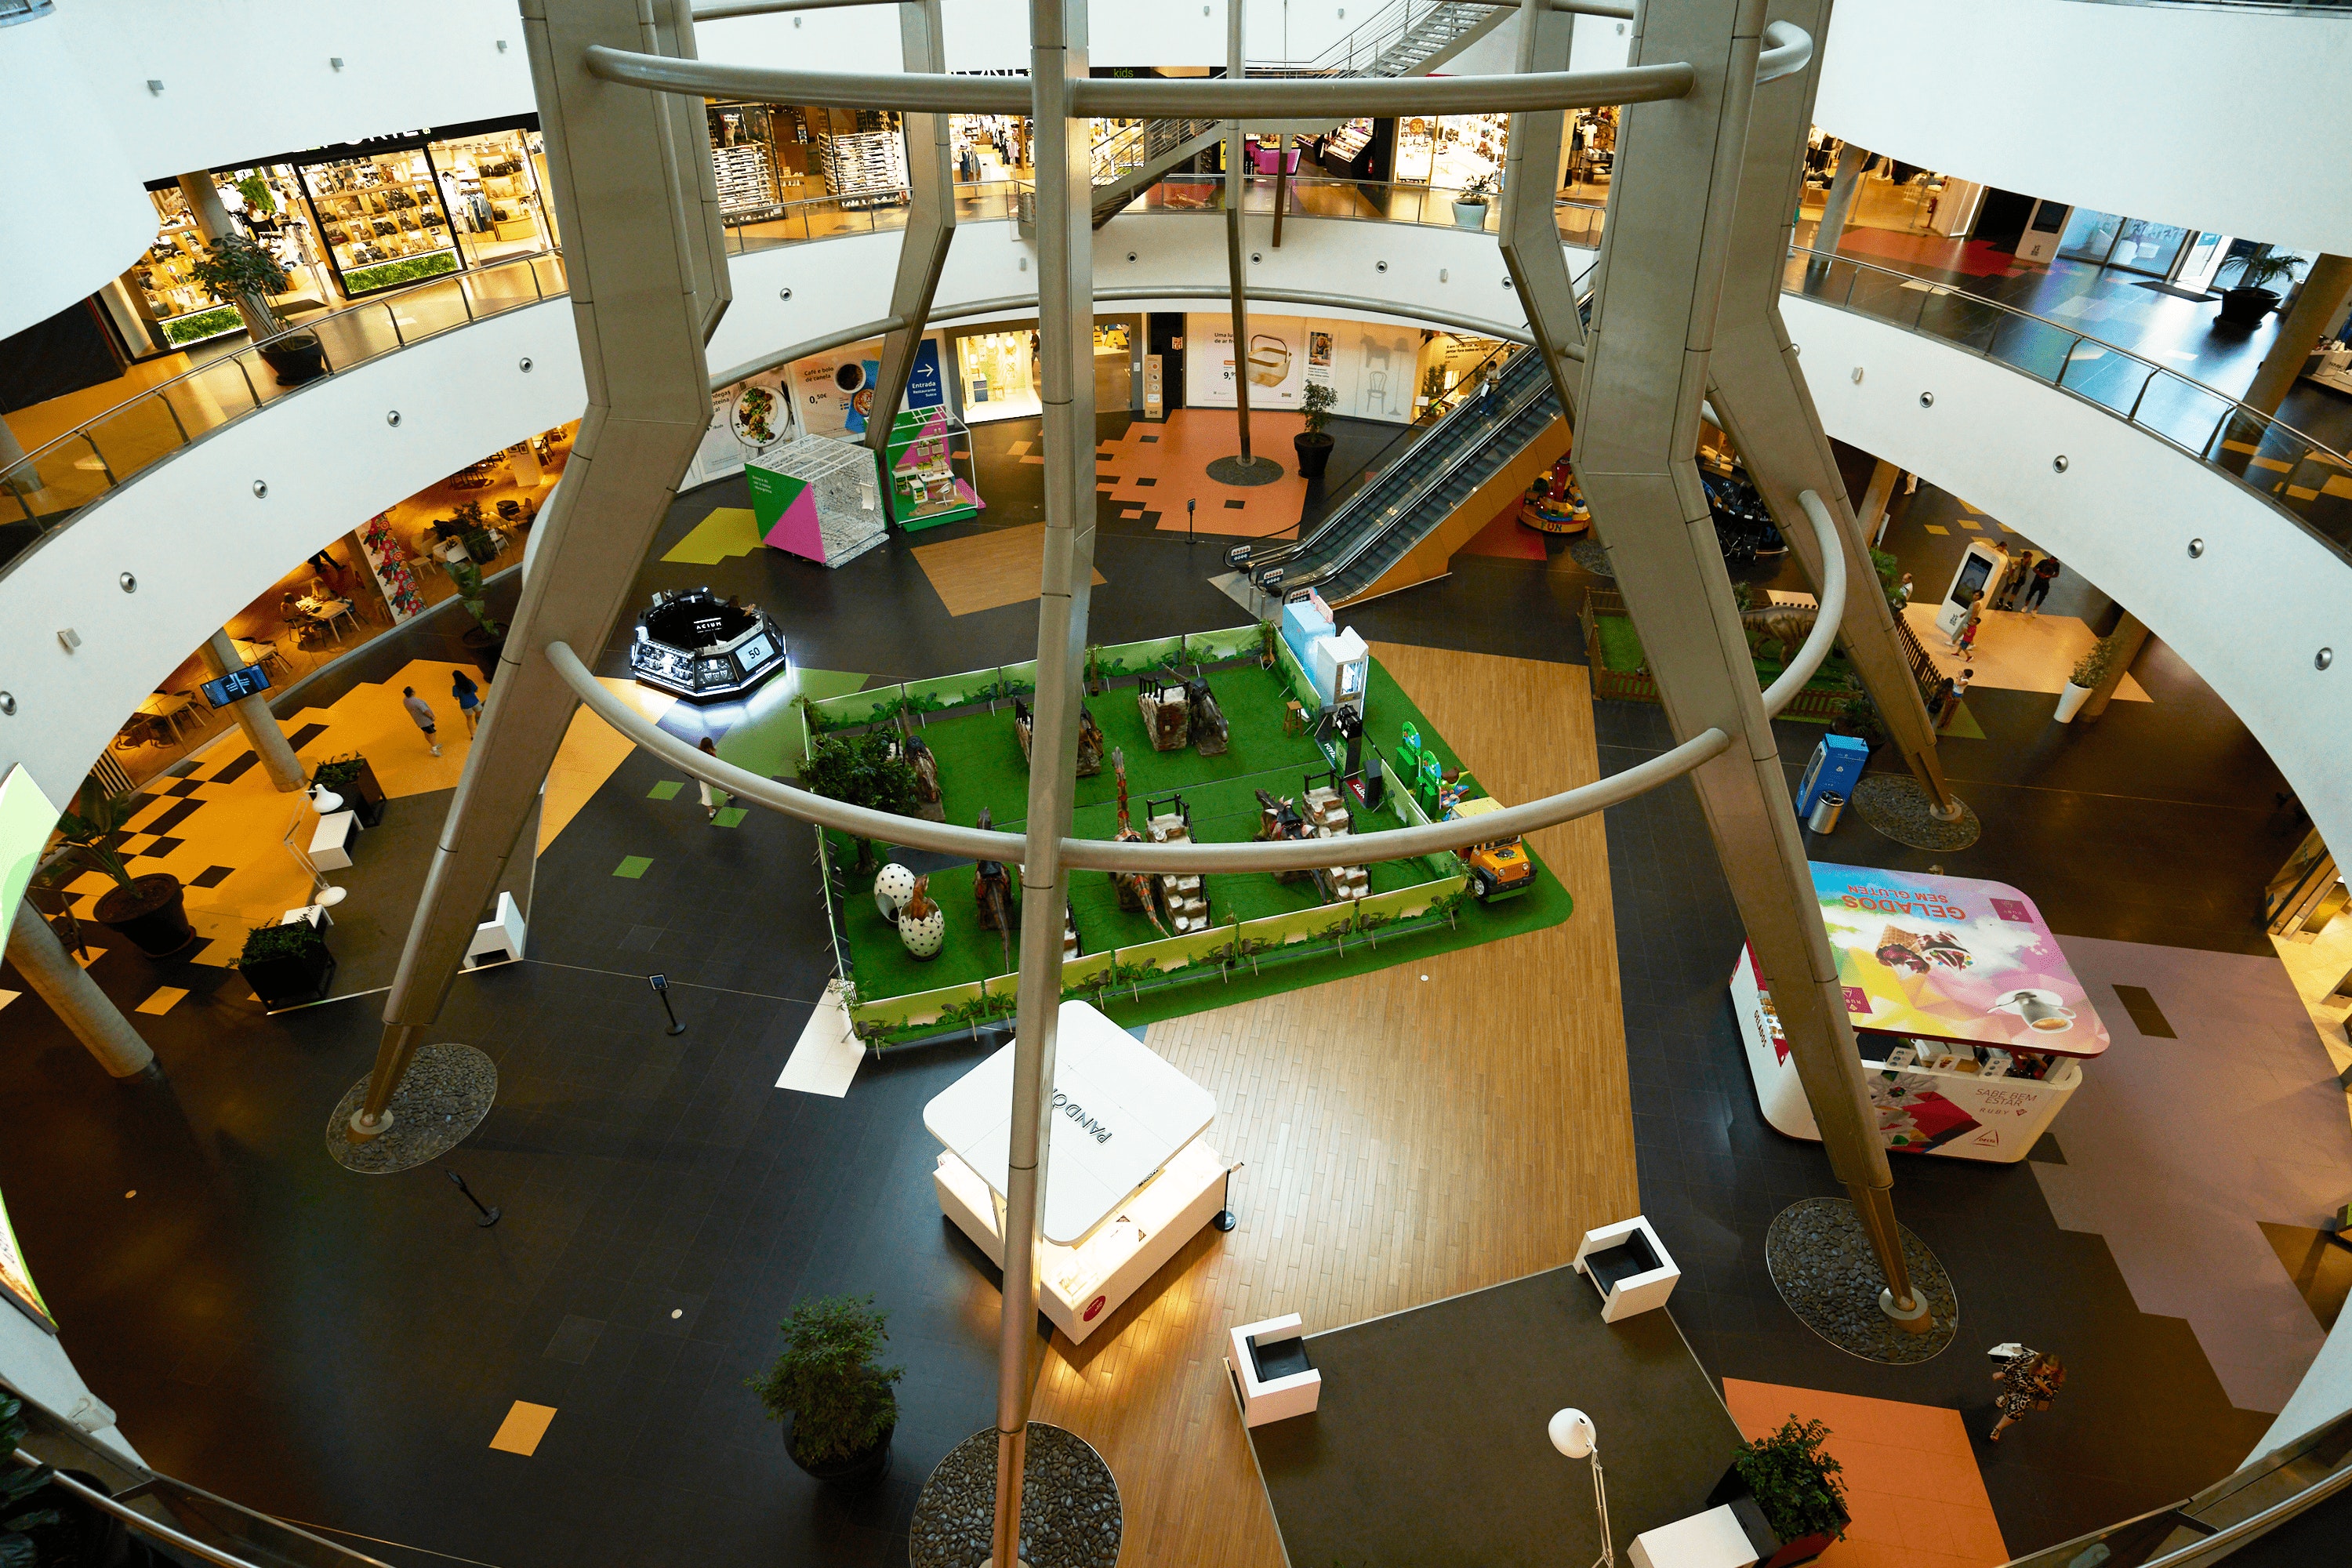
{"x": 16, "y": 1281}
{"x": 1952, "y": 958}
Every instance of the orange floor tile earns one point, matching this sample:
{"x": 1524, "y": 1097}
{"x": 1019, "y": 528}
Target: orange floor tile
{"x": 1912, "y": 1483}
{"x": 1158, "y": 467}
{"x": 1507, "y": 537}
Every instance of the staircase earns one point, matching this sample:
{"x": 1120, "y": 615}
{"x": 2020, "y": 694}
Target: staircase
{"x": 1448, "y": 485}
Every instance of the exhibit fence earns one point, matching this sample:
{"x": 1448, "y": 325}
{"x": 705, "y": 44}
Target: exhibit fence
{"x": 1813, "y": 701}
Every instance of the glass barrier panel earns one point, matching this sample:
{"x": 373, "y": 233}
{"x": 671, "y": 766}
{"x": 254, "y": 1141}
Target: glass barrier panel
{"x": 1960, "y": 318}
{"x": 2181, "y": 411}
{"x": 2038, "y": 348}
{"x": 350, "y": 337}
{"x": 504, "y": 287}
{"x": 435, "y": 308}
{"x": 51, "y": 482}
{"x": 133, "y": 436}
{"x": 2108, "y": 377}
{"x": 1887, "y": 297}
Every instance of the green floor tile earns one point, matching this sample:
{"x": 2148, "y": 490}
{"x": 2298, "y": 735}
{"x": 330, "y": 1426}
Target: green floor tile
{"x": 666, "y": 790}
{"x": 632, "y": 866}
{"x": 730, "y": 816}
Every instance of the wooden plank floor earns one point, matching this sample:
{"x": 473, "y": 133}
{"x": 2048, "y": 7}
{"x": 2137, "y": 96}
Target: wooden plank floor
{"x": 1407, "y": 1140}
{"x": 988, "y": 570}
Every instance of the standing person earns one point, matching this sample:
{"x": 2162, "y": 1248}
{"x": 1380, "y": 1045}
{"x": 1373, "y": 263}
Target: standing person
{"x": 713, "y": 797}
{"x": 1954, "y": 689}
{"x": 468, "y": 696}
{"x": 2045, "y": 573}
{"x": 1903, "y": 592}
{"x": 422, "y": 712}
{"x": 2030, "y": 1381}
{"x": 2015, "y": 582}
{"x": 1489, "y": 380}
{"x": 1966, "y": 633}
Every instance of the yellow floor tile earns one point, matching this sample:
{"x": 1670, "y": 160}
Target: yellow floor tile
{"x": 164, "y": 1000}
{"x": 2237, "y": 447}
{"x": 525, "y": 1424}
{"x": 2299, "y": 493}
{"x": 8, "y": 996}
{"x": 1971, "y": 524}
{"x": 728, "y": 530}
{"x": 1935, "y": 528}
{"x": 90, "y": 956}
{"x": 2341, "y": 485}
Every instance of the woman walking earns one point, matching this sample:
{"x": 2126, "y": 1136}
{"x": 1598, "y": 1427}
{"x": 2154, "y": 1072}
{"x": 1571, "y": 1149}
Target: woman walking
{"x": 468, "y": 697}
{"x": 2030, "y": 1381}
{"x": 713, "y": 797}
{"x": 2044, "y": 573}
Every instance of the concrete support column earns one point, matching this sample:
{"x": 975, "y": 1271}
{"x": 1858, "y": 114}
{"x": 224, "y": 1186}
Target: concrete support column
{"x": 1871, "y": 517}
{"x": 930, "y": 229}
{"x": 1236, "y": 158}
{"x": 1662, "y": 283}
{"x": 254, "y": 716}
{"x": 1530, "y": 234}
{"x": 74, "y": 996}
{"x": 1844, "y": 185}
{"x": 2319, "y": 306}
{"x": 1058, "y": 58}
{"x": 2132, "y": 636}
{"x": 1768, "y": 410}
{"x": 214, "y": 222}
{"x": 630, "y": 175}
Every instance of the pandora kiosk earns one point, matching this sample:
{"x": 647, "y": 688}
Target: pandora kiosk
{"x": 1129, "y": 1180}
{"x": 1972, "y": 1027}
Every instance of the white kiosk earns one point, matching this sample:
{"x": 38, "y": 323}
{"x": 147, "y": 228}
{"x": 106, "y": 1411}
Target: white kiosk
{"x": 1981, "y": 566}
{"x": 1128, "y": 1179}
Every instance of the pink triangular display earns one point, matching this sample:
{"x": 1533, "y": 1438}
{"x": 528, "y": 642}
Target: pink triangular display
{"x": 797, "y": 530}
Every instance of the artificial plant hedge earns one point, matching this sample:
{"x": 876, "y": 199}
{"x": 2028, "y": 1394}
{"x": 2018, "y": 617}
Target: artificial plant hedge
{"x": 407, "y": 269}
{"x": 204, "y": 324}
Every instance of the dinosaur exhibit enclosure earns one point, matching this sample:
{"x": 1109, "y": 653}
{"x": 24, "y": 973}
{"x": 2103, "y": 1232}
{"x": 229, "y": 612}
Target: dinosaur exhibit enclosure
{"x": 1215, "y": 737}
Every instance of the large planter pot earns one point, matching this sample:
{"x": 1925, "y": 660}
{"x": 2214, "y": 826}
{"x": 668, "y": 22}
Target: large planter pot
{"x": 2071, "y": 701}
{"x": 1470, "y": 215}
{"x": 149, "y": 914}
{"x": 290, "y": 981}
{"x": 362, "y": 796}
{"x": 1772, "y": 1551}
{"x": 483, "y": 650}
{"x": 856, "y": 1470}
{"x": 295, "y": 358}
{"x": 1314, "y": 451}
{"x": 482, "y": 545}
{"x": 2247, "y": 307}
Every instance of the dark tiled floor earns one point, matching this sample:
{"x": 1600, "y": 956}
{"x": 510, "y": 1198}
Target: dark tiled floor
{"x": 341, "y": 1349}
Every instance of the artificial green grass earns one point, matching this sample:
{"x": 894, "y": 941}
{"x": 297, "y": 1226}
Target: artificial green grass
{"x": 1621, "y": 653}
{"x": 980, "y": 764}
{"x": 666, "y": 790}
{"x": 632, "y": 866}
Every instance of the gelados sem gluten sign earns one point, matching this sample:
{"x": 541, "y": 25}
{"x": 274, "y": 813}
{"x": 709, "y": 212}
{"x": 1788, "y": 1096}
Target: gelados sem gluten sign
{"x": 1952, "y": 958}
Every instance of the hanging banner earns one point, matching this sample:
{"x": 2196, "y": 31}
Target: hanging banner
{"x": 16, "y": 1281}
{"x": 388, "y": 558}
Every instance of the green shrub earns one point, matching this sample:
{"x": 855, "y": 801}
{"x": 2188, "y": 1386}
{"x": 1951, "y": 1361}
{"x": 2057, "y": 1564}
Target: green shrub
{"x": 17, "y": 1550}
{"x": 263, "y": 944}
{"x": 829, "y": 1381}
{"x": 1794, "y": 1483}
{"x": 204, "y": 324}
{"x": 338, "y": 771}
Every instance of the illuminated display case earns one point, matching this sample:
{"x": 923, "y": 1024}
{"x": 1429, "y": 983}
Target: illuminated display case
{"x": 931, "y": 474}
{"x": 703, "y": 649}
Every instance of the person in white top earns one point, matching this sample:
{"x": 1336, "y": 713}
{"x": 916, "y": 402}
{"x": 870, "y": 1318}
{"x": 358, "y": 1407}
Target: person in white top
{"x": 422, "y": 712}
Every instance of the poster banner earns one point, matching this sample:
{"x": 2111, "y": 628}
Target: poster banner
{"x": 16, "y": 1281}
{"x": 1275, "y": 360}
{"x": 1952, "y": 958}
{"x": 388, "y": 560}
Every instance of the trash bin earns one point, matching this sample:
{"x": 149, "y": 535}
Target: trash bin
{"x": 1826, "y": 808}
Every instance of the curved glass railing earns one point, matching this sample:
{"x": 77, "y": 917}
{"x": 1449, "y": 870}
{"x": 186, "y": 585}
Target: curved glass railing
{"x": 2279, "y": 463}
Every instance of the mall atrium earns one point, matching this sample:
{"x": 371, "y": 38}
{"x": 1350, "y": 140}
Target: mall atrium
{"x": 987, "y": 781}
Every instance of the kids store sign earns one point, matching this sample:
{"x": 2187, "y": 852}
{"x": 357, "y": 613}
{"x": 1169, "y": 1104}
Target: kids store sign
{"x": 1972, "y": 1025}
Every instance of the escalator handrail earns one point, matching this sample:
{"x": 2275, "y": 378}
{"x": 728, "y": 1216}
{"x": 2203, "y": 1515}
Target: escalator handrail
{"x": 1370, "y": 479}
{"x": 1522, "y": 401}
{"x": 179, "y": 1539}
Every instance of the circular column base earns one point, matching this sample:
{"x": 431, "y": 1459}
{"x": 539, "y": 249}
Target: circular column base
{"x": 1593, "y": 556}
{"x": 1260, "y": 469}
{"x": 448, "y": 1090}
{"x": 1820, "y": 1262}
{"x": 1070, "y": 1515}
{"x": 1900, "y": 808}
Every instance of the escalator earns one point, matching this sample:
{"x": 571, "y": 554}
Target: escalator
{"x": 1426, "y": 492}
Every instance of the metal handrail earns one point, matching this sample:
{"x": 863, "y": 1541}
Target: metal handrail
{"x": 1111, "y": 855}
{"x": 1826, "y": 620}
{"x": 2234, "y": 415}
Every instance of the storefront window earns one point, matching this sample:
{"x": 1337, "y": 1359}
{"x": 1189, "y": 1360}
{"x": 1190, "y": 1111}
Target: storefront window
{"x": 996, "y": 372}
{"x": 1468, "y": 147}
{"x": 1415, "y": 149}
{"x": 1114, "y": 364}
{"x": 381, "y": 218}
{"x": 265, "y": 204}
{"x": 492, "y": 188}
{"x": 2199, "y": 262}
{"x": 2089, "y": 236}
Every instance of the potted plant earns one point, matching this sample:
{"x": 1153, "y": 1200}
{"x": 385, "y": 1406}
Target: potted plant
{"x": 1859, "y": 717}
{"x": 2253, "y": 298}
{"x": 1786, "y": 1494}
{"x": 147, "y": 910}
{"x": 864, "y": 770}
{"x": 832, "y": 1391}
{"x": 287, "y": 964}
{"x": 487, "y": 637}
{"x": 350, "y": 777}
{"x": 1313, "y": 443}
{"x": 242, "y": 271}
{"x": 473, "y": 530}
{"x": 2089, "y": 671}
{"x": 1470, "y": 201}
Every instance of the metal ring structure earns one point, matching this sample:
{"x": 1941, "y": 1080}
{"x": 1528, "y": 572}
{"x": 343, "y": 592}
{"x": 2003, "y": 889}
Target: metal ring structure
{"x": 1001, "y": 302}
{"x": 1823, "y": 637}
{"x": 1106, "y": 854}
{"x": 1136, "y": 97}
{"x": 1788, "y": 49}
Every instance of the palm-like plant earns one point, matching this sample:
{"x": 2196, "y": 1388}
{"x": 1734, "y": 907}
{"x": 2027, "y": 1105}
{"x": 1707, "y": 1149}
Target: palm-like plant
{"x": 243, "y": 271}
{"x": 89, "y": 828}
{"x": 2263, "y": 266}
{"x": 16, "y": 1548}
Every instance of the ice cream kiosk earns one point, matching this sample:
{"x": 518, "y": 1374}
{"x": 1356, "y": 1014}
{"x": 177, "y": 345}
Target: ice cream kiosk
{"x": 1972, "y": 1027}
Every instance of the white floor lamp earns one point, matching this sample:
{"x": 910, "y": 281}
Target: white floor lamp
{"x": 1573, "y": 1434}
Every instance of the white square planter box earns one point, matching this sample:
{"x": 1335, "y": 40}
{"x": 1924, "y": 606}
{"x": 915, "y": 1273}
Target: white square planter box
{"x": 1709, "y": 1540}
{"x": 1271, "y": 1373}
{"x": 330, "y": 844}
{"x": 1629, "y": 1266}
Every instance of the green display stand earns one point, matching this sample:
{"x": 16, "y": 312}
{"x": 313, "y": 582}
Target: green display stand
{"x": 931, "y": 470}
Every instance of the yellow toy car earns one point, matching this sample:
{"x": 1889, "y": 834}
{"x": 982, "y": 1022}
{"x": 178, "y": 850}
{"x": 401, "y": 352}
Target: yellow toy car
{"x": 1500, "y": 867}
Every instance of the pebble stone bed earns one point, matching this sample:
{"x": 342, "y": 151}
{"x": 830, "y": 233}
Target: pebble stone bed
{"x": 1590, "y": 553}
{"x": 1069, "y": 1505}
{"x": 1896, "y": 805}
{"x": 1819, "y": 1259}
{"x": 448, "y": 1090}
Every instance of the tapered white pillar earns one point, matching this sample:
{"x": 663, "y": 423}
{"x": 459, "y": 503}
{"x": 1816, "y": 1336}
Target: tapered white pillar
{"x": 74, "y": 996}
